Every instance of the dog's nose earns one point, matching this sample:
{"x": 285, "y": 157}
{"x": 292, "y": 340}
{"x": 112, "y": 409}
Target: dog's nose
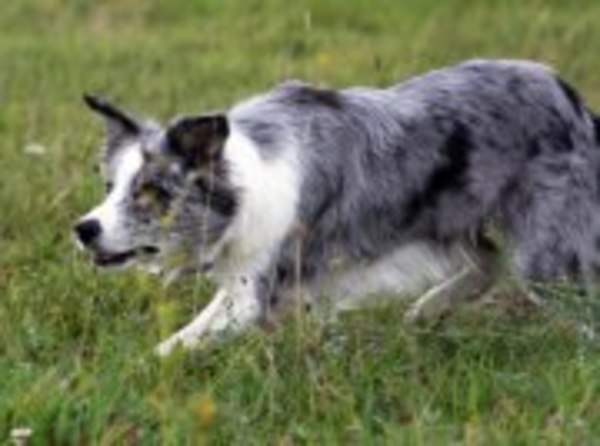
{"x": 88, "y": 230}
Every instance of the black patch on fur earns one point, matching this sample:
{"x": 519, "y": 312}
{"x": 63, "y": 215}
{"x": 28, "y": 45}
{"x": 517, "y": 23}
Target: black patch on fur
{"x": 448, "y": 176}
{"x": 307, "y": 95}
{"x": 571, "y": 95}
{"x": 533, "y": 148}
{"x": 484, "y": 242}
{"x": 573, "y": 267}
{"x": 497, "y": 115}
{"x": 596, "y": 122}
{"x": 564, "y": 142}
{"x": 111, "y": 112}
{"x": 597, "y": 242}
{"x": 197, "y": 140}
{"x": 217, "y": 196}
{"x": 560, "y": 133}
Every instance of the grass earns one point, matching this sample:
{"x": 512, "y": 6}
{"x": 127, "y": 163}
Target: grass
{"x": 75, "y": 346}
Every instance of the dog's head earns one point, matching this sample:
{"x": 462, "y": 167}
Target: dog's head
{"x": 168, "y": 199}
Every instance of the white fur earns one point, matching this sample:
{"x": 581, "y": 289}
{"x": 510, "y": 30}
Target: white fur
{"x": 125, "y": 166}
{"x": 269, "y": 195}
{"x": 406, "y": 272}
{"x": 254, "y": 236}
{"x": 269, "y": 192}
{"x": 441, "y": 297}
{"x": 231, "y": 310}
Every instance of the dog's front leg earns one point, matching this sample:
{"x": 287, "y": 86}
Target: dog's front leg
{"x": 232, "y": 310}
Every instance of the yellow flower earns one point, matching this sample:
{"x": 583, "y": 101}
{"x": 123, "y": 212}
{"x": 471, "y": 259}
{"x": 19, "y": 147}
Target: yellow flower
{"x": 473, "y": 434}
{"x": 206, "y": 410}
{"x": 324, "y": 59}
{"x": 167, "y": 317}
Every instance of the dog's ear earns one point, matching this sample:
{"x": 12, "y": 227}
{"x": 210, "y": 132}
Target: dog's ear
{"x": 119, "y": 124}
{"x": 198, "y": 140}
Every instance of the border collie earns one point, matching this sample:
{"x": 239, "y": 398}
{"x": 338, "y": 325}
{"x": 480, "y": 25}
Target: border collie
{"x": 328, "y": 198}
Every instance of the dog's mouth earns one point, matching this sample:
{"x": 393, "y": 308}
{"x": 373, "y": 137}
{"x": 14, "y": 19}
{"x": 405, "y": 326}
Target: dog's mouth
{"x": 113, "y": 259}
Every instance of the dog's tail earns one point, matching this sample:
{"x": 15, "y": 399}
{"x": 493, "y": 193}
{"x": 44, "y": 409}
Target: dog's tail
{"x": 579, "y": 106}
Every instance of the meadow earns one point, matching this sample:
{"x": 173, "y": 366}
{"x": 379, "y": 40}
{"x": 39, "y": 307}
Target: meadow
{"x": 76, "y": 362}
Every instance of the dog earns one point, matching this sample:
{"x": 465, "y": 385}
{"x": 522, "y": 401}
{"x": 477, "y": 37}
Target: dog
{"x": 321, "y": 198}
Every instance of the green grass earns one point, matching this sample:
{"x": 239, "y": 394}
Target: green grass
{"x": 75, "y": 346}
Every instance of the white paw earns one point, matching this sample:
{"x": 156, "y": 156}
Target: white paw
{"x": 425, "y": 311}
{"x": 167, "y": 347}
{"x": 414, "y": 315}
{"x": 185, "y": 340}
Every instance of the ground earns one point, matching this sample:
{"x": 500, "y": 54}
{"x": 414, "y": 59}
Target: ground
{"x": 76, "y": 364}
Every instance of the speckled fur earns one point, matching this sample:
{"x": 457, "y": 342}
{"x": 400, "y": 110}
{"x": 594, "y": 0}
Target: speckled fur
{"x": 430, "y": 164}
{"x": 437, "y": 158}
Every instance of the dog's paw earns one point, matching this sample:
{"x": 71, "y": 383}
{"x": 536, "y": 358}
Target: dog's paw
{"x": 179, "y": 341}
{"x": 425, "y": 313}
{"x": 414, "y": 315}
{"x": 167, "y": 347}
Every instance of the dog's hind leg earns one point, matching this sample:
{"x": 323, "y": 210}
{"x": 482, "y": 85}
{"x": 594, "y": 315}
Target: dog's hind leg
{"x": 439, "y": 300}
{"x": 470, "y": 282}
{"x": 551, "y": 242}
{"x": 406, "y": 271}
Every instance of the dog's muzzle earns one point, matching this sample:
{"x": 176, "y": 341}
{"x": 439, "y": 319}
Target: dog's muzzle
{"x": 108, "y": 259}
{"x": 88, "y": 232}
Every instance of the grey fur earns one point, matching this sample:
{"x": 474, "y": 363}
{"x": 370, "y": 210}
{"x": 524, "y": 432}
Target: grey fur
{"x": 436, "y": 159}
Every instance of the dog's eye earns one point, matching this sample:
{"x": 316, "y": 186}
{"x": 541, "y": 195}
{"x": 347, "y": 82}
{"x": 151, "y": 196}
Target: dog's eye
{"x": 152, "y": 197}
{"x": 108, "y": 187}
